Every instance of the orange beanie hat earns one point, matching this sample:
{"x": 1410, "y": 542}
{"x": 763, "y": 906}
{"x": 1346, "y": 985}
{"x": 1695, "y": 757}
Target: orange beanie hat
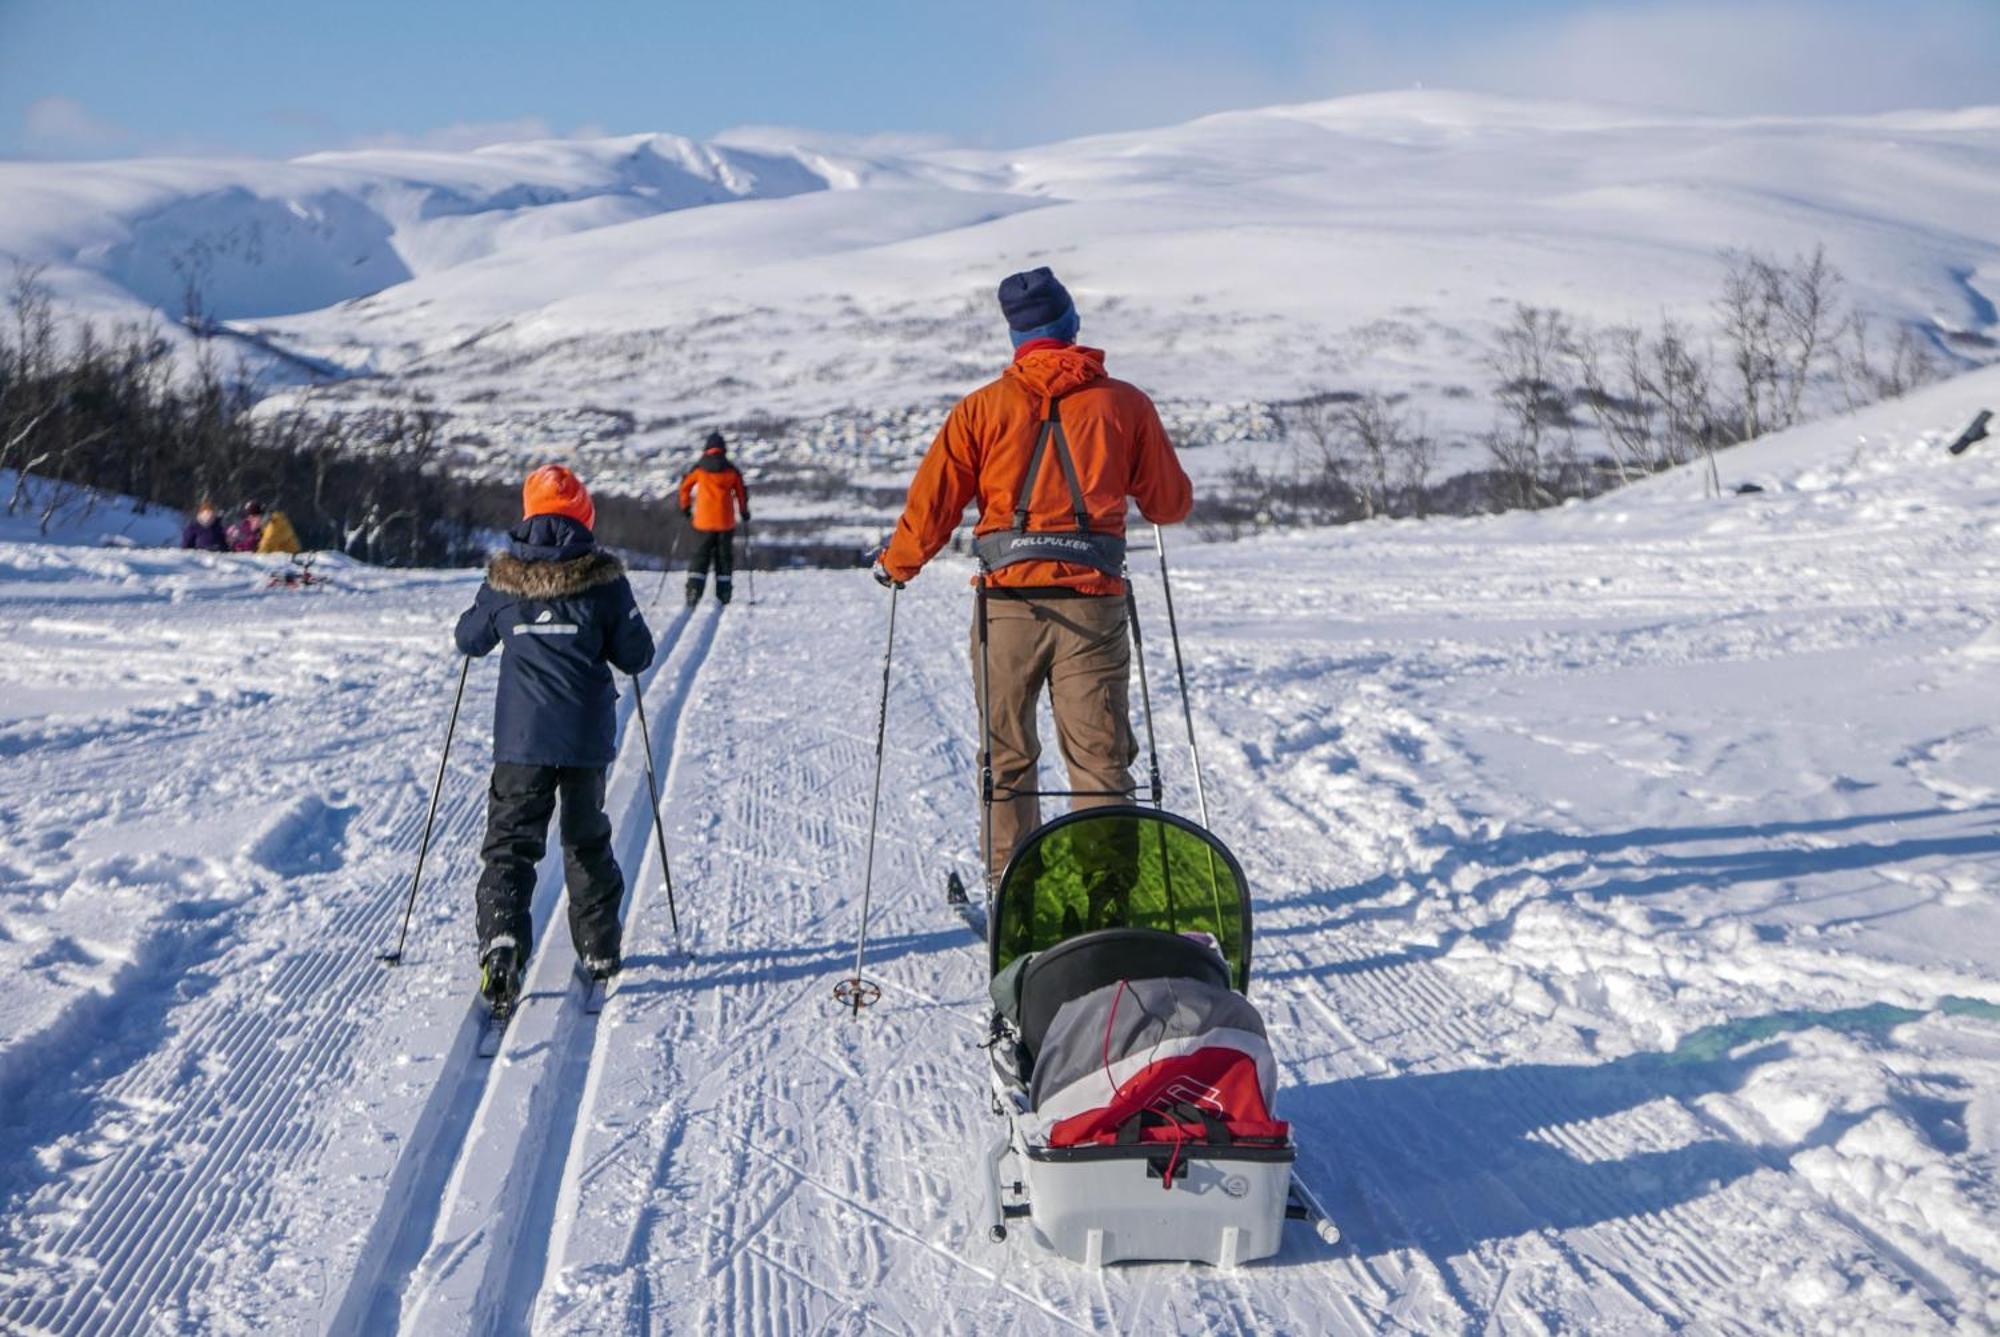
{"x": 554, "y": 490}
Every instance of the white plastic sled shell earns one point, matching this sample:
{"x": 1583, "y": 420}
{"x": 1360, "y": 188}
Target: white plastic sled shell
{"x": 1097, "y": 1204}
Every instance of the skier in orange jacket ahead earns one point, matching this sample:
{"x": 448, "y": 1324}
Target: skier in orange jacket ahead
{"x": 712, "y": 496}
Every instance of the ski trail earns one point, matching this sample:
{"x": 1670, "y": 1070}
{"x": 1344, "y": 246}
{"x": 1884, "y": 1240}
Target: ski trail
{"x": 486, "y": 1238}
{"x": 638, "y": 851}
{"x": 761, "y": 1161}
{"x": 411, "y": 1207}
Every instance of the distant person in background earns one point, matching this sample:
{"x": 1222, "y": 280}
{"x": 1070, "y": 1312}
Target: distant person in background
{"x": 205, "y": 531}
{"x": 711, "y": 496}
{"x": 277, "y": 534}
{"x": 249, "y": 526}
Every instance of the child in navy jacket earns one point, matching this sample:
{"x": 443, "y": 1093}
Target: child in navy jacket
{"x": 564, "y": 612}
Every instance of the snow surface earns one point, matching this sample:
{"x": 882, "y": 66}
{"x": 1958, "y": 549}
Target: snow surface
{"x": 1626, "y": 929}
{"x": 618, "y": 297}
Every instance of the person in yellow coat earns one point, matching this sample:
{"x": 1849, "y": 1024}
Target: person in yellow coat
{"x": 278, "y": 535}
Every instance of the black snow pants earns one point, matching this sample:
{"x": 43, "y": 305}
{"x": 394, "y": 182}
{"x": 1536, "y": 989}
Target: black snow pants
{"x": 715, "y": 548}
{"x": 520, "y": 801}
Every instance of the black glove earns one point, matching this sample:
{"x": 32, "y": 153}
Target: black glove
{"x": 746, "y": 512}
{"x": 884, "y": 579}
{"x": 687, "y": 512}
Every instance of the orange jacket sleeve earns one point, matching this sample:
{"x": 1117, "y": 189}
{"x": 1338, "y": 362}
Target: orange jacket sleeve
{"x": 1159, "y": 484}
{"x": 687, "y": 489}
{"x": 944, "y": 484}
{"x": 742, "y": 493}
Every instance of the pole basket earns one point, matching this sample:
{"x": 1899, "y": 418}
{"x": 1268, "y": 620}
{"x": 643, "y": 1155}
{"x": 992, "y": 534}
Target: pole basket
{"x": 857, "y": 993}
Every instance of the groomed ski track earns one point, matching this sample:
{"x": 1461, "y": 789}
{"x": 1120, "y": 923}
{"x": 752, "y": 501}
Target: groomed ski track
{"x": 464, "y": 1228}
{"x": 1624, "y": 920}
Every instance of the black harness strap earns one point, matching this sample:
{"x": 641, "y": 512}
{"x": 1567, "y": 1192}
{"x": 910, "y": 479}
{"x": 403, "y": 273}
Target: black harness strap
{"x": 1051, "y": 434}
{"x": 1093, "y": 548}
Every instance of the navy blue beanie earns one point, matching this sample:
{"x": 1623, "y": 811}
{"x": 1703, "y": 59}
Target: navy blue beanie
{"x": 1034, "y": 300}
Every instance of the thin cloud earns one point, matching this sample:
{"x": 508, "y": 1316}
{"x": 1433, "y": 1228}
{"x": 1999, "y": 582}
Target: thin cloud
{"x": 888, "y": 143}
{"x": 1741, "y": 57}
{"x": 1727, "y": 57}
{"x": 461, "y": 136}
{"x": 63, "y": 125}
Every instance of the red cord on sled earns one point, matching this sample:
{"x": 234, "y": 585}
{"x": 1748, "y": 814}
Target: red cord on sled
{"x": 1117, "y": 1089}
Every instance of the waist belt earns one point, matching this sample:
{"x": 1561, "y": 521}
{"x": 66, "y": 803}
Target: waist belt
{"x": 1081, "y": 546}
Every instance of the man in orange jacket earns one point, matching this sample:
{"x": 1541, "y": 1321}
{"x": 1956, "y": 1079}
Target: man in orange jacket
{"x": 1051, "y": 543}
{"x": 712, "y": 495}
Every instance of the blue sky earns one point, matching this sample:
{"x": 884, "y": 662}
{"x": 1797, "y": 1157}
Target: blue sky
{"x": 93, "y": 78}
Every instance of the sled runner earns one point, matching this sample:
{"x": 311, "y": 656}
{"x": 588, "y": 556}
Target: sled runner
{"x": 1135, "y": 1077}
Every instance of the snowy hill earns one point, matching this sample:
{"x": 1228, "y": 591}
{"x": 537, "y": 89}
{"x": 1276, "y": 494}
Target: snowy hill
{"x": 1626, "y": 933}
{"x": 632, "y": 292}
{"x": 267, "y": 238}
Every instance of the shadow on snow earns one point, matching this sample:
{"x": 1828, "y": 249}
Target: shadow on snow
{"x": 1446, "y": 1161}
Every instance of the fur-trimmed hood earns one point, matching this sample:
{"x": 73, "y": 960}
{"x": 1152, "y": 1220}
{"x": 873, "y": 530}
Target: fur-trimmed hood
{"x": 525, "y": 579}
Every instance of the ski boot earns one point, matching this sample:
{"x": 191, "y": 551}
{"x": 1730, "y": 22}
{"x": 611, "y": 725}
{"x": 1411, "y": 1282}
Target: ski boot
{"x": 500, "y": 976}
{"x": 694, "y": 592}
{"x": 598, "y": 974}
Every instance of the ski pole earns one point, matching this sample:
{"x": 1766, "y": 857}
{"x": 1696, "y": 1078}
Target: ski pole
{"x": 750, "y": 557}
{"x": 653, "y": 788}
{"x": 392, "y": 957}
{"x": 985, "y": 743}
{"x": 667, "y": 563}
{"x": 859, "y": 992}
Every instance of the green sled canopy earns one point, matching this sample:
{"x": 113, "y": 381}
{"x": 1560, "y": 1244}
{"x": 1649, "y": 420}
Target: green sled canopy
{"x": 1121, "y": 867}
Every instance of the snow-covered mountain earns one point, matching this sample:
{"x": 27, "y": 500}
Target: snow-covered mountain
{"x": 633, "y": 291}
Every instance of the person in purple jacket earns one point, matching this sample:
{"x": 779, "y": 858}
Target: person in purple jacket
{"x": 244, "y": 534}
{"x": 205, "y": 531}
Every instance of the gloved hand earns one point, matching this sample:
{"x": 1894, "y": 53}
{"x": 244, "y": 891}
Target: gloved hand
{"x": 687, "y": 512}
{"x": 884, "y": 579}
{"x": 746, "y": 512}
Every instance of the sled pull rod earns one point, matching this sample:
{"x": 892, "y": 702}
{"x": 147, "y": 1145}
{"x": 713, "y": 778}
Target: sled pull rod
{"x": 1180, "y": 673}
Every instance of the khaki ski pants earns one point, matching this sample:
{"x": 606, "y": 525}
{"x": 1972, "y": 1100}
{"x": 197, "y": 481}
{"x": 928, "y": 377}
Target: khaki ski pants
{"x": 1078, "y": 648}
